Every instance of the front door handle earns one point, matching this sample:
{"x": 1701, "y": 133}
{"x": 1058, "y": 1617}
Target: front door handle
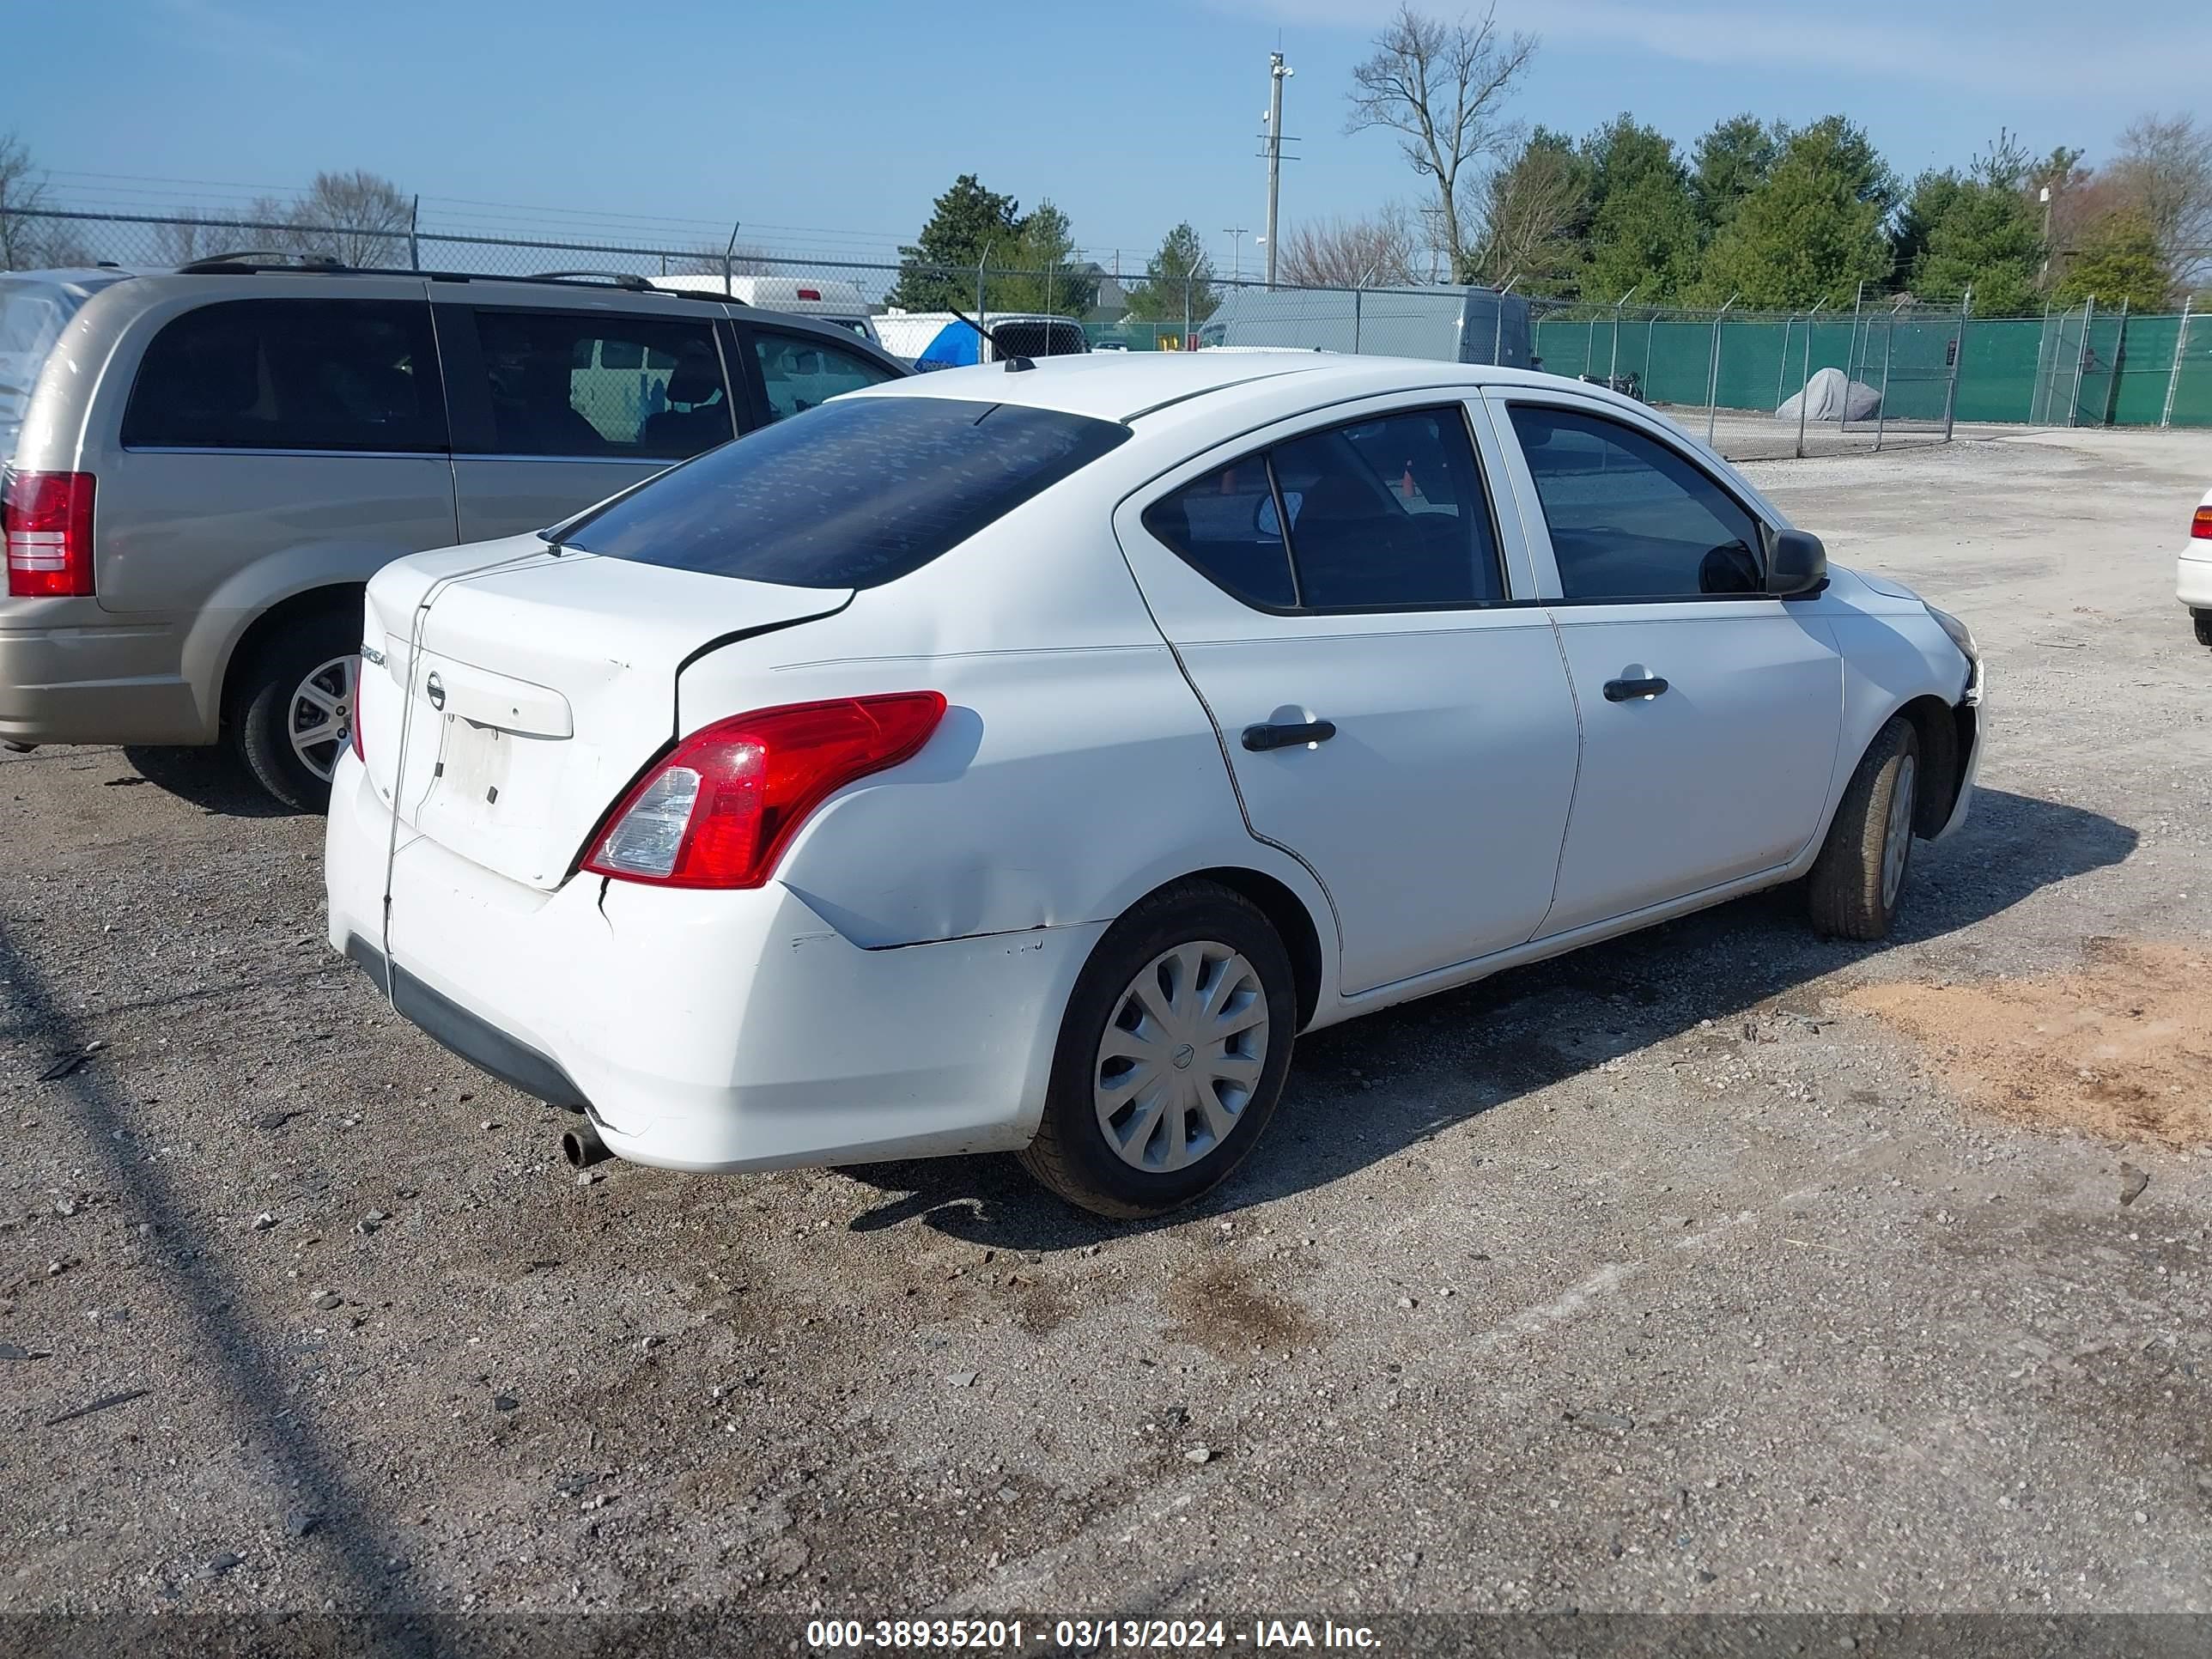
{"x": 1264, "y": 737}
{"x": 1622, "y": 691}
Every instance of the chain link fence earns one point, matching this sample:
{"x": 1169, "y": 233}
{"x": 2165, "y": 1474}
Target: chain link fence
{"x": 1755, "y": 384}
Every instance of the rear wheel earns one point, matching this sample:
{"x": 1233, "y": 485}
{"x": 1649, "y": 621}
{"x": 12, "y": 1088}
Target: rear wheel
{"x": 1857, "y": 879}
{"x": 294, "y": 707}
{"x": 1172, "y": 1054}
{"x": 2203, "y": 620}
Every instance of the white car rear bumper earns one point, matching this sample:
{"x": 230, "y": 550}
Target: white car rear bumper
{"x": 706, "y": 1030}
{"x": 2194, "y": 584}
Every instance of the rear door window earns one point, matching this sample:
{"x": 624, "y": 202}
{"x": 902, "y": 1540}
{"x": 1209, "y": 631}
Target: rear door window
{"x": 1225, "y": 524}
{"x": 584, "y": 384}
{"x": 291, "y": 374}
{"x": 1387, "y": 513}
{"x": 851, "y": 495}
{"x": 800, "y": 372}
{"x": 1390, "y": 514}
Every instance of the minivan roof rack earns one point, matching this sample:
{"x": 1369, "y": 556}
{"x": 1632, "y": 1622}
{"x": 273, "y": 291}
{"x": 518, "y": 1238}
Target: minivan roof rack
{"x": 261, "y": 259}
{"x": 621, "y": 279}
{"x": 255, "y": 261}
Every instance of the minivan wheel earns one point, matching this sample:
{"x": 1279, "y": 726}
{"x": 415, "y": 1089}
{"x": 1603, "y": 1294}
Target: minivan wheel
{"x": 294, "y": 711}
{"x": 1856, "y": 883}
{"x": 2203, "y": 620}
{"x": 1172, "y": 1056}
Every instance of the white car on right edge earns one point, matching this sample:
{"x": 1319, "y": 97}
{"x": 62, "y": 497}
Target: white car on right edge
{"x": 2193, "y": 583}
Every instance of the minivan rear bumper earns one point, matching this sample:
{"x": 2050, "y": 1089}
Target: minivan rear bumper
{"x": 68, "y": 674}
{"x": 705, "y": 1030}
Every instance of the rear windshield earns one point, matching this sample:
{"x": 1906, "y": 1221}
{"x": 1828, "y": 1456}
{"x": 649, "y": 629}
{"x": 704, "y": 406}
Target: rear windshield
{"x": 33, "y": 314}
{"x": 854, "y": 493}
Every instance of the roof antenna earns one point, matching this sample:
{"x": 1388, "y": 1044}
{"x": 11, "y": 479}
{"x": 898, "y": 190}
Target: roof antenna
{"x": 1014, "y": 361}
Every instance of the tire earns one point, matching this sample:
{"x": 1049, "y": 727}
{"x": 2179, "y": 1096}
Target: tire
{"x": 274, "y": 697}
{"x": 2203, "y": 620}
{"x": 1183, "y": 939}
{"x": 1856, "y": 883}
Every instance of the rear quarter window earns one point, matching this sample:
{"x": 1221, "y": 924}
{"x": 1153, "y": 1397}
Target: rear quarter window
{"x": 312, "y": 374}
{"x": 854, "y": 494}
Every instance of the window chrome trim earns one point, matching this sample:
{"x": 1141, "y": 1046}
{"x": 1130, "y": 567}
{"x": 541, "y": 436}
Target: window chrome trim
{"x": 327, "y": 454}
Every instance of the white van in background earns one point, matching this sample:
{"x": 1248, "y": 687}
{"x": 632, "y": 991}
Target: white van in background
{"x": 831, "y": 298}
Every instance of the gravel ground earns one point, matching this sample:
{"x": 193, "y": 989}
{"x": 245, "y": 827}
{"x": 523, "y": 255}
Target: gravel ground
{"x": 1656, "y": 1279}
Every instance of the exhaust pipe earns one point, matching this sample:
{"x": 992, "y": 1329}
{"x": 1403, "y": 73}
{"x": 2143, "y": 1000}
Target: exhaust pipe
{"x": 581, "y": 1146}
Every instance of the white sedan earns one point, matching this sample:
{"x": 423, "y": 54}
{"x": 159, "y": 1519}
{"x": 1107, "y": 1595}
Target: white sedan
{"x": 1017, "y": 757}
{"x": 2193, "y": 579}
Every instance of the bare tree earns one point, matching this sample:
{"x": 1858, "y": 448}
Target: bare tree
{"x": 1532, "y": 212}
{"x": 356, "y": 218}
{"x": 180, "y": 241}
{"x": 2164, "y": 168}
{"x": 706, "y": 260}
{"x": 1442, "y": 87}
{"x": 23, "y": 188}
{"x": 1376, "y": 252}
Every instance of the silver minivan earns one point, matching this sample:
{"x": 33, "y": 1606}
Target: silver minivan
{"x": 203, "y": 467}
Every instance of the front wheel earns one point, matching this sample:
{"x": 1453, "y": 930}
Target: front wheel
{"x": 1172, "y": 1057}
{"x": 294, "y": 708}
{"x": 1859, "y": 876}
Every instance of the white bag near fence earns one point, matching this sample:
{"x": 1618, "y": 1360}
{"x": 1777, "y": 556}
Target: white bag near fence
{"x": 1829, "y": 395}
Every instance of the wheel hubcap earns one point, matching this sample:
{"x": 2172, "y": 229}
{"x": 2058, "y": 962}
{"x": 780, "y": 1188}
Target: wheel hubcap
{"x": 1181, "y": 1057}
{"x": 1897, "y": 838}
{"x": 320, "y": 723}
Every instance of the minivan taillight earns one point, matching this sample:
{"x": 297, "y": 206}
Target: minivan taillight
{"x": 47, "y": 519}
{"x": 2201, "y": 526}
{"x": 719, "y": 810}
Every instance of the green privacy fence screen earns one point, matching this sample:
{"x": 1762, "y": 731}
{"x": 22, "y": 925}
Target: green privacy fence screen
{"x": 2106, "y": 368}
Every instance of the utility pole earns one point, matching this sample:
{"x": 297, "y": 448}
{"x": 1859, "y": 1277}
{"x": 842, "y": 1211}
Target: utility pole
{"x": 1278, "y": 72}
{"x": 1236, "y": 235}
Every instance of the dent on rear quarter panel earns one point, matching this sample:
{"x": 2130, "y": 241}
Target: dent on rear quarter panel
{"x": 1061, "y": 787}
{"x": 1074, "y": 772}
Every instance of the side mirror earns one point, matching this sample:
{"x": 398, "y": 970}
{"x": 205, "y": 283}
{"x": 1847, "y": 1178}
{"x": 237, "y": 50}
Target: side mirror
{"x": 1796, "y": 564}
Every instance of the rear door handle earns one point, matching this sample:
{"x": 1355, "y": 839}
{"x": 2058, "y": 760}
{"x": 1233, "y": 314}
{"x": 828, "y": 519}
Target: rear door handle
{"x": 1622, "y": 691}
{"x": 1263, "y": 737}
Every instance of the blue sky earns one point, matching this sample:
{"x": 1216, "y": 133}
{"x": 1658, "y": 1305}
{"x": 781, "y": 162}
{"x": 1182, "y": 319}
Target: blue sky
{"x": 827, "y": 129}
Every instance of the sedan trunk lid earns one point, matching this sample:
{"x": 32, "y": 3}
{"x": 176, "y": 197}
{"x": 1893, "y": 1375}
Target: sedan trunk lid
{"x": 524, "y": 688}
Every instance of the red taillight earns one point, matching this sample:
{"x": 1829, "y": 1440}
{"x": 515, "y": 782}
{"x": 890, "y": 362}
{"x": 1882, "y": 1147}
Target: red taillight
{"x": 810, "y": 294}
{"x": 721, "y": 808}
{"x": 2200, "y": 527}
{"x": 47, "y": 518}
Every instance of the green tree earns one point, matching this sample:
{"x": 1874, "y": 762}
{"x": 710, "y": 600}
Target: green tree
{"x": 1642, "y": 226}
{"x": 1179, "y": 275}
{"x": 967, "y": 223}
{"x": 1934, "y": 195}
{"x": 1978, "y": 230}
{"x": 1728, "y": 163}
{"x": 1049, "y": 273}
{"x": 1813, "y": 230}
{"x": 2118, "y": 260}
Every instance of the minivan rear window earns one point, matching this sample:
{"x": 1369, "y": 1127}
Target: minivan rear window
{"x": 854, "y": 494}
